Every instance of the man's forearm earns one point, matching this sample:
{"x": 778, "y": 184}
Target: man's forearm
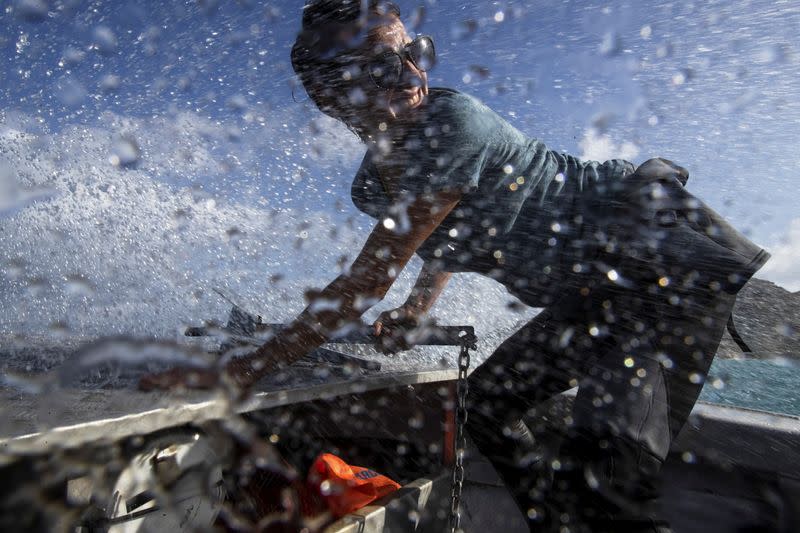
{"x": 338, "y": 305}
{"x": 430, "y": 284}
{"x": 299, "y": 338}
{"x": 332, "y": 308}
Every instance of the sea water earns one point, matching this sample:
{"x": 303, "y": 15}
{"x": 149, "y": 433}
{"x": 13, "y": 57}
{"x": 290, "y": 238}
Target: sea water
{"x": 765, "y": 385}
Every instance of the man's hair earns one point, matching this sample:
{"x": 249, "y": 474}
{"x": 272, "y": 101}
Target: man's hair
{"x": 326, "y": 25}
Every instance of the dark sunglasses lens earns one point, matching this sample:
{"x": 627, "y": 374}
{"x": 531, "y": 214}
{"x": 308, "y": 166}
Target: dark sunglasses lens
{"x": 422, "y": 53}
{"x": 386, "y": 71}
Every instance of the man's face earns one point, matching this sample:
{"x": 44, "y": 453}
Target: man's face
{"x": 409, "y": 93}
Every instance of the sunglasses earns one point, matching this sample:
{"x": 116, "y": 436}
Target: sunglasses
{"x": 386, "y": 69}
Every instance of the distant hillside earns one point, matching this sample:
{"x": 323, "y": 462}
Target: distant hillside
{"x": 768, "y": 319}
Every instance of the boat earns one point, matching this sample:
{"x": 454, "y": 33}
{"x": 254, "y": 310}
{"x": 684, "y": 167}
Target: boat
{"x": 121, "y": 460}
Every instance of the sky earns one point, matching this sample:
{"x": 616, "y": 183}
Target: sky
{"x": 151, "y": 151}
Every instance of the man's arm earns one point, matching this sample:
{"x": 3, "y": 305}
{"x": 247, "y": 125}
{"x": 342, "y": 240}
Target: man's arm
{"x": 342, "y": 302}
{"x": 392, "y": 325}
{"x": 430, "y": 284}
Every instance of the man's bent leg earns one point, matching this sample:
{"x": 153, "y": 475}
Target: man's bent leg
{"x": 633, "y": 402}
{"x": 544, "y": 358}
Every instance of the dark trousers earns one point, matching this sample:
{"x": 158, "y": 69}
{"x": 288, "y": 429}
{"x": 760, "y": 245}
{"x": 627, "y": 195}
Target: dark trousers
{"x": 637, "y": 343}
{"x": 638, "y": 379}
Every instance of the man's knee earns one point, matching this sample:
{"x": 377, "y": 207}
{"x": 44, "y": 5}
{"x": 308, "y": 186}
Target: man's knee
{"x": 619, "y": 473}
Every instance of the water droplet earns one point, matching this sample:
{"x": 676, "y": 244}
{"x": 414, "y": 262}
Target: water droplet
{"x": 786, "y": 329}
{"x": 417, "y": 421}
{"x": 325, "y": 487}
{"x": 24, "y": 383}
{"x": 15, "y": 268}
{"x": 70, "y": 91}
{"x": 108, "y": 358}
{"x": 110, "y": 83}
{"x": 237, "y": 102}
{"x": 417, "y": 17}
{"x": 22, "y": 43}
{"x": 233, "y": 133}
{"x": 770, "y": 54}
{"x": 104, "y": 40}
{"x": 464, "y": 29}
{"x": 480, "y": 71}
{"x": 78, "y": 285}
{"x": 59, "y": 329}
{"x": 125, "y": 152}
{"x": 611, "y": 44}
{"x": 591, "y": 478}
{"x": 357, "y": 96}
{"x": 184, "y": 83}
{"x": 31, "y": 10}
{"x": 36, "y": 286}
{"x": 73, "y": 56}
{"x": 516, "y": 307}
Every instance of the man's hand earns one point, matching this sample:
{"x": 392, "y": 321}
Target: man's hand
{"x": 397, "y": 328}
{"x": 394, "y": 329}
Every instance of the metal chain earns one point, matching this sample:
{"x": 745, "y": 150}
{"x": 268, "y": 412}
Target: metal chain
{"x": 460, "y": 441}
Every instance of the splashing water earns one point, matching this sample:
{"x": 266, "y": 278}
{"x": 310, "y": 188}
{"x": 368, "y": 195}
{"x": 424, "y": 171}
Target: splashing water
{"x": 101, "y": 246}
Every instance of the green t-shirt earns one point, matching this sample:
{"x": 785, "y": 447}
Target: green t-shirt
{"x": 521, "y": 216}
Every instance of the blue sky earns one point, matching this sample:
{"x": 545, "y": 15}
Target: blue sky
{"x": 205, "y": 92}
{"x": 711, "y": 85}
